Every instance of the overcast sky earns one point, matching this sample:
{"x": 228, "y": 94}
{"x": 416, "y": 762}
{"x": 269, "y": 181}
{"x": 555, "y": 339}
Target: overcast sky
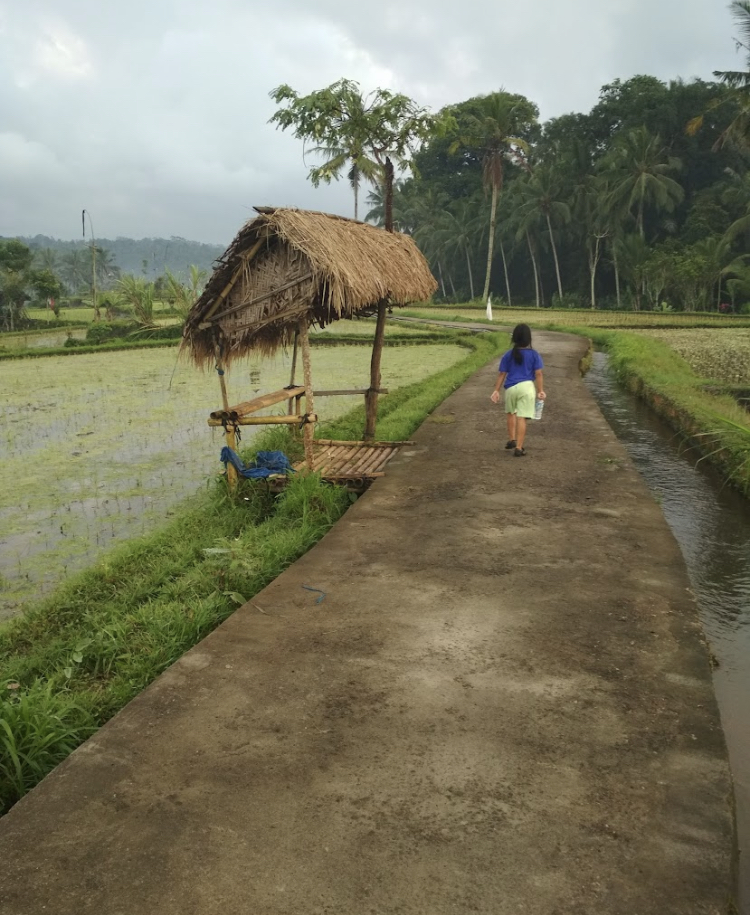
{"x": 152, "y": 114}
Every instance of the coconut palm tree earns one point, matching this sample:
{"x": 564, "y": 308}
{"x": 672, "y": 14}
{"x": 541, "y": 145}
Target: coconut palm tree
{"x": 738, "y": 81}
{"x": 632, "y": 255}
{"x": 107, "y": 271}
{"x": 352, "y": 160}
{"x": 541, "y": 195}
{"x": 638, "y": 170}
{"x": 75, "y": 268}
{"x": 457, "y": 230}
{"x": 492, "y": 128}
{"x": 47, "y": 259}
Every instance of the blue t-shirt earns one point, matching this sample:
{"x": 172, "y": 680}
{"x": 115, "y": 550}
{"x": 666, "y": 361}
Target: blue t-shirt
{"x": 523, "y": 372}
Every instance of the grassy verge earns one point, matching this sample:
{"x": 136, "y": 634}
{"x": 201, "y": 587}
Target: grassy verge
{"x": 79, "y": 656}
{"x": 550, "y": 318}
{"x": 155, "y": 342}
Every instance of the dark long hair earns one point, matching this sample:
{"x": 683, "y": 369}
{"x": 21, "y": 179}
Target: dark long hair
{"x": 521, "y": 339}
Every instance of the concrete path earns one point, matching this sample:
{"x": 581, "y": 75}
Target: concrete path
{"x": 502, "y": 705}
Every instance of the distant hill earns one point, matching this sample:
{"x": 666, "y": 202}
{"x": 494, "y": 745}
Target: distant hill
{"x": 143, "y": 256}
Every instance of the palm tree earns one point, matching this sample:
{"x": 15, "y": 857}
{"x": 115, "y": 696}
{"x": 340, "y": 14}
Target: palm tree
{"x": 637, "y": 169}
{"x": 716, "y": 256}
{"x": 738, "y": 81}
{"x": 456, "y": 230}
{"x": 76, "y": 268}
{"x": 107, "y": 270}
{"x": 360, "y": 166}
{"x": 542, "y": 201}
{"x": 491, "y": 129}
{"x": 632, "y": 254}
{"x": 47, "y": 259}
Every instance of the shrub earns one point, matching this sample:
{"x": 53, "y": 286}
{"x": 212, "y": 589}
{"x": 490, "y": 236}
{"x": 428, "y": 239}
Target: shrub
{"x": 567, "y": 300}
{"x": 104, "y": 331}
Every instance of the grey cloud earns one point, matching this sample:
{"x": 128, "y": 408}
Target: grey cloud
{"x": 153, "y": 114}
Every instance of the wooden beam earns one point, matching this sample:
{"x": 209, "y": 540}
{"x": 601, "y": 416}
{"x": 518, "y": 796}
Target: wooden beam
{"x": 260, "y": 298}
{"x": 246, "y": 258}
{"x": 258, "y": 403}
{"x": 348, "y": 391}
{"x": 294, "y": 420}
{"x": 332, "y": 441}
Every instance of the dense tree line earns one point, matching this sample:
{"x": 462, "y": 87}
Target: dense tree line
{"x": 644, "y": 202}
{"x": 42, "y": 277}
{"x": 148, "y": 257}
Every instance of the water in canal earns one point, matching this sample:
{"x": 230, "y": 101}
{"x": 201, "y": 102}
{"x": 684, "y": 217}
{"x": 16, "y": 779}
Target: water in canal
{"x": 711, "y": 523}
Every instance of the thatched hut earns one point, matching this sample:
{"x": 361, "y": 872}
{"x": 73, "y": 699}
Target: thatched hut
{"x": 289, "y": 266}
{"x": 288, "y": 269}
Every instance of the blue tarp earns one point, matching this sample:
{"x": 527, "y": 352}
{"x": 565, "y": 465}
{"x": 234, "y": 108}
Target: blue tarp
{"x": 266, "y": 463}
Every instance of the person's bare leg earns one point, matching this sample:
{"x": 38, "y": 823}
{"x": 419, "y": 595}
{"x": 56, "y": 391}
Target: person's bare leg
{"x": 511, "y": 418}
{"x": 521, "y": 427}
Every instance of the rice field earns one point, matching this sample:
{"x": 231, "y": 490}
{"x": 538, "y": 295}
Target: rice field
{"x": 508, "y": 317}
{"x": 36, "y": 340}
{"x": 99, "y": 448}
{"x": 717, "y": 354}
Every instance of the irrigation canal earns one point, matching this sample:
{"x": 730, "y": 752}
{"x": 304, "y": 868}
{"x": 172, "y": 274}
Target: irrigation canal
{"x": 711, "y": 523}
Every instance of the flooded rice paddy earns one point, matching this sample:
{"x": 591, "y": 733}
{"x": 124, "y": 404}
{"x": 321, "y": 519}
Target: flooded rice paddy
{"x": 99, "y": 448}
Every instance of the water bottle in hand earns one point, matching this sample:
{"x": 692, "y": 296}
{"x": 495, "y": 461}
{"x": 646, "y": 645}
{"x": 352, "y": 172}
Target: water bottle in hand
{"x": 538, "y": 408}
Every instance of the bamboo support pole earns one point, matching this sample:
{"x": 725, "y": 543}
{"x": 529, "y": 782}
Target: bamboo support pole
{"x": 371, "y": 397}
{"x": 258, "y": 403}
{"x": 294, "y": 368}
{"x": 231, "y": 436}
{"x": 309, "y": 430}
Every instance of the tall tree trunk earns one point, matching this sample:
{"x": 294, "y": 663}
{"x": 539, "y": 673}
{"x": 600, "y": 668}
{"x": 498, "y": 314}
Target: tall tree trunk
{"x": 388, "y": 187}
{"x": 453, "y": 288}
{"x": 617, "y": 277}
{"x": 442, "y": 281}
{"x": 554, "y": 254}
{"x": 355, "y": 188}
{"x": 371, "y": 398}
{"x": 471, "y": 275}
{"x": 505, "y": 271}
{"x": 491, "y": 242}
{"x": 536, "y": 272}
{"x": 594, "y": 254}
{"x": 640, "y": 218}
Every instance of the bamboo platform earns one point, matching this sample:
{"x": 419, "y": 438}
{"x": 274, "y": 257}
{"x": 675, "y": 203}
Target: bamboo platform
{"x": 353, "y": 464}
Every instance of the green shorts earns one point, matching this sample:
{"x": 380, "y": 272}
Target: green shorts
{"x": 520, "y": 399}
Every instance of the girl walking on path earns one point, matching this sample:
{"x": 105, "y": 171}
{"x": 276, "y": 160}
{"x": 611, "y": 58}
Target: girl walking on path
{"x": 520, "y": 374}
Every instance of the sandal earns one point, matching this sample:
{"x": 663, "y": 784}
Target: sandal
{"x": 519, "y": 452}
{"x": 510, "y": 445}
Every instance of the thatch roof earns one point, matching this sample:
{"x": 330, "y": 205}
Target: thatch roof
{"x": 287, "y": 266}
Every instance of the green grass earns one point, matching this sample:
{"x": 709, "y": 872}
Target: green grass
{"x": 79, "y": 656}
